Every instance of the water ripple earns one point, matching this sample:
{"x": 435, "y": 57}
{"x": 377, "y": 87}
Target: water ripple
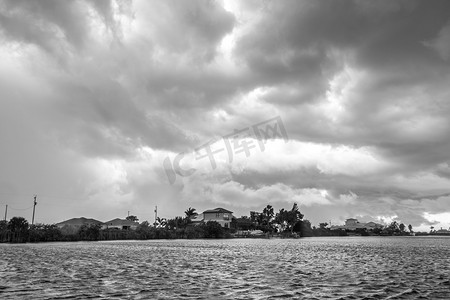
{"x": 315, "y": 268}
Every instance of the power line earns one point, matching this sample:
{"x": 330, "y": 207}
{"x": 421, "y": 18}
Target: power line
{"x": 23, "y": 197}
{"x": 70, "y": 201}
{"x": 20, "y": 208}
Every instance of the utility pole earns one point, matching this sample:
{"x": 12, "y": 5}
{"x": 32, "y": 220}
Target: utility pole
{"x": 34, "y": 207}
{"x": 6, "y": 211}
{"x": 156, "y": 214}
{"x": 128, "y": 213}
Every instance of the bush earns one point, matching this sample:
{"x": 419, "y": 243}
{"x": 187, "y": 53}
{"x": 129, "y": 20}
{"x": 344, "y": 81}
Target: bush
{"x": 213, "y": 230}
{"x": 89, "y": 232}
{"x": 44, "y": 233}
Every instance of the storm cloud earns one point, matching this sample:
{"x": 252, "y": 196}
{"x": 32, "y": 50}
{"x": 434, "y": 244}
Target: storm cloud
{"x": 94, "y": 96}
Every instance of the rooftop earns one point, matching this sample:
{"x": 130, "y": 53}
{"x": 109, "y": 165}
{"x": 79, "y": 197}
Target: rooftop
{"x": 217, "y": 210}
{"x": 79, "y": 221}
{"x": 121, "y": 222}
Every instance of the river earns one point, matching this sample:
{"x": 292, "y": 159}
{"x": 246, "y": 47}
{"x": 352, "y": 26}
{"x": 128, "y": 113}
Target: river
{"x": 308, "y": 268}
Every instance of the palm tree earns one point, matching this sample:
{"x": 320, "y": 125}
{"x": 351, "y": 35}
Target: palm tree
{"x": 190, "y": 213}
{"x": 294, "y": 216}
{"x": 161, "y": 222}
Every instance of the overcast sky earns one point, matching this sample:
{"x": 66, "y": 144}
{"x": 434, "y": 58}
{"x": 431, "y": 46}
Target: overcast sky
{"x": 96, "y": 95}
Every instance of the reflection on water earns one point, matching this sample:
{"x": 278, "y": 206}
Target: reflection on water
{"x": 313, "y": 268}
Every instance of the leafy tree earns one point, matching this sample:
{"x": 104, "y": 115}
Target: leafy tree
{"x": 410, "y": 228}
{"x": 18, "y": 224}
{"x": 266, "y": 218}
{"x": 323, "y": 225}
{"x": 254, "y": 217}
{"x": 288, "y": 218}
{"x": 281, "y": 219}
{"x": 260, "y": 220}
{"x": 3, "y": 225}
{"x": 268, "y": 213}
{"x": 377, "y": 231}
{"x": 243, "y": 223}
{"x": 145, "y": 231}
{"x": 132, "y": 218}
{"x": 213, "y": 230}
{"x": 294, "y": 216}
{"x": 44, "y": 233}
{"x": 304, "y": 228}
{"x": 175, "y": 223}
{"x": 89, "y": 232}
{"x": 18, "y": 227}
{"x": 393, "y": 228}
{"x": 144, "y": 224}
{"x": 195, "y": 232}
{"x": 402, "y": 227}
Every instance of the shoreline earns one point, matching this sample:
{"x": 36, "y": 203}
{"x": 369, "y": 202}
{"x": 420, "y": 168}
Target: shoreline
{"x": 227, "y": 238}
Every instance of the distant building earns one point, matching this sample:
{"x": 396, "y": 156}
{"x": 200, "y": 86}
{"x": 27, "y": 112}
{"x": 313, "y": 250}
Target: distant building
{"x": 73, "y": 225}
{"x": 354, "y": 224}
{"x": 442, "y": 231}
{"x": 373, "y": 225}
{"x": 120, "y": 224}
{"x": 351, "y": 222}
{"x": 197, "y": 219}
{"x": 78, "y": 222}
{"x": 220, "y": 215}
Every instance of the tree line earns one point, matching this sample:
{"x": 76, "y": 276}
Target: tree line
{"x": 284, "y": 223}
{"x": 18, "y": 230}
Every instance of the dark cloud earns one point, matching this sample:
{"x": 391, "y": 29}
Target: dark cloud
{"x": 395, "y": 83}
{"x": 50, "y": 24}
{"x": 96, "y": 94}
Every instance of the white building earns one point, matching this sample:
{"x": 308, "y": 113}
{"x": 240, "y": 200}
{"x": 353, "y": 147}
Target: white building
{"x": 353, "y": 224}
{"x": 220, "y": 215}
{"x": 120, "y": 224}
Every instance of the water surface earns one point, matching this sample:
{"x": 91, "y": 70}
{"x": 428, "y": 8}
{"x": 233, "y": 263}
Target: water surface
{"x": 310, "y": 268}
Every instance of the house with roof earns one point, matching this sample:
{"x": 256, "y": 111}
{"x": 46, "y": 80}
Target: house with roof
{"x": 120, "y": 224}
{"x": 73, "y": 225}
{"x": 220, "y": 215}
{"x": 373, "y": 225}
{"x": 353, "y": 224}
{"x": 197, "y": 219}
{"x": 442, "y": 232}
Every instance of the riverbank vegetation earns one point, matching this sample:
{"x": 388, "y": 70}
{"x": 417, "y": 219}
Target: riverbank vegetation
{"x": 267, "y": 223}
